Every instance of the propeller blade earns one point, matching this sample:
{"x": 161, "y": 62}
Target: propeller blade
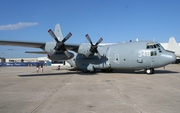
{"x": 93, "y": 48}
{"x": 53, "y": 35}
{"x": 88, "y": 53}
{"x": 99, "y": 41}
{"x": 89, "y": 39}
{"x": 67, "y": 37}
{"x": 99, "y": 56}
{"x": 67, "y": 54}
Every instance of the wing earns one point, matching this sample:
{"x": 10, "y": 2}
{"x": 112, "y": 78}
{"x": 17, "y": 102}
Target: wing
{"x": 36, "y": 52}
{"x": 73, "y": 47}
{"x": 23, "y": 44}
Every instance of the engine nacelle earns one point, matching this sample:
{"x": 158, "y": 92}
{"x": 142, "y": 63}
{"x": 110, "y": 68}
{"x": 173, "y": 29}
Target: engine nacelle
{"x": 60, "y": 56}
{"x": 84, "y": 48}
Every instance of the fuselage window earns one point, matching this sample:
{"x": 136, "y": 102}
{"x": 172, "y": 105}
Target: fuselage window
{"x": 159, "y": 50}
{"x": 153, "y": 53}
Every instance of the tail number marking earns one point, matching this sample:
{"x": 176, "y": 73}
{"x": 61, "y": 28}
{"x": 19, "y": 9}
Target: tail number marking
{"x": 144, "y": 53}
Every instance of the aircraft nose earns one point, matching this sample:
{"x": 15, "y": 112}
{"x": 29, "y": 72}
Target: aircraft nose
{"x": 169, "y": 57}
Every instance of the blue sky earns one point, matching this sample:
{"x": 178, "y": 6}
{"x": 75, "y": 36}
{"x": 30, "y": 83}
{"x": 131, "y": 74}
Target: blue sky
{"x": 113, "y": 20}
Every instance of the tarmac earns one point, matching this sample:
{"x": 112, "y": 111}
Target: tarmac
{"x": 22, "y": 90}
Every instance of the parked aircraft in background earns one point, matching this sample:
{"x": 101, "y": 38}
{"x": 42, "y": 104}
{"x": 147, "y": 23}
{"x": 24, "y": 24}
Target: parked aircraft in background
{"x": 90, "y": 56}
{"x": 172, "y": 46}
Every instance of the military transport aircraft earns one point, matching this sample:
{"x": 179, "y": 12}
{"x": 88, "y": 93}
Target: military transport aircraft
{"x": 90, "y": 56}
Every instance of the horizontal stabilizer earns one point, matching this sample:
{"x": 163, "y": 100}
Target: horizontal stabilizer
{"x": 36, "y": 52}
{"x": 170, "y": 51}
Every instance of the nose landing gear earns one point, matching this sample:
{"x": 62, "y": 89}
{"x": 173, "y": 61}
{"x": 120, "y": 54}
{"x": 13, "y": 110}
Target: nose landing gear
{"x": 149, "y": 71}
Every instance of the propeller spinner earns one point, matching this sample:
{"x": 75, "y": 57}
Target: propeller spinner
{"x": 93, "y": 48}
{"x": 60, "y": 46}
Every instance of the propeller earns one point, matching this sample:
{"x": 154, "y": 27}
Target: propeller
{"x": 93, "y": 48}
{"x": 60, "y": 46}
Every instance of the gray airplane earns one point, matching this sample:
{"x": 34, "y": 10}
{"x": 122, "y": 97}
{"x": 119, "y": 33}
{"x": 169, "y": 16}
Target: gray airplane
{"x": 91, "y": 56}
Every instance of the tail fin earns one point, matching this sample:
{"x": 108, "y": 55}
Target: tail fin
{"x": 172, "y": 45}
{"x": 58, "y": 32}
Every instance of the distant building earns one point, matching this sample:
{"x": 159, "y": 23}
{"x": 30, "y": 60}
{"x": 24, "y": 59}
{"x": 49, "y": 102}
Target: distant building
{"x": 2, "y": 60}
{"x": 44, "y": 60}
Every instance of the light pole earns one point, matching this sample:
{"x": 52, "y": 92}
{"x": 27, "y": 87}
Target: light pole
{"x": 10, "y": 54}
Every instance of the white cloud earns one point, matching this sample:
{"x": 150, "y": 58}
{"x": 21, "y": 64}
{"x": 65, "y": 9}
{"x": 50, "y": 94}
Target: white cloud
{"x": 19, "y": 25}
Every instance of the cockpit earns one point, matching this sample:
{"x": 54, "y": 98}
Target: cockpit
{"x": 154, "y": 46}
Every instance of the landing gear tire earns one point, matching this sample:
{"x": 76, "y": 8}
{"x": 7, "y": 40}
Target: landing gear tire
{"x": 150, "y": 71}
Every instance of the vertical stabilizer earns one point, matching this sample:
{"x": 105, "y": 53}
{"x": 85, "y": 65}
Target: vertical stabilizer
{"x": 172, "y": 45}
{"x": 58, "y": 32}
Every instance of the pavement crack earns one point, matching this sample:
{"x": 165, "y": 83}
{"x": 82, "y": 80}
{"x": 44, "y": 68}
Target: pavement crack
{"x": 129, "y": 101}
{"x": 51, "y": 95}
{"x": 125, "y": 97}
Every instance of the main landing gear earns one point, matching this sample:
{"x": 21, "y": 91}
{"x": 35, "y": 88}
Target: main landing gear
{"x": 149, "y": 71}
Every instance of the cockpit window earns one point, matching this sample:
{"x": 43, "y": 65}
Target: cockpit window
{"x": 151, "y": 45}
{"x": 158, "y": 45}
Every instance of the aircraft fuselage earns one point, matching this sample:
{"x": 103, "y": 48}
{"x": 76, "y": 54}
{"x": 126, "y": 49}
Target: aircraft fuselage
{"x": 132, "y": 55}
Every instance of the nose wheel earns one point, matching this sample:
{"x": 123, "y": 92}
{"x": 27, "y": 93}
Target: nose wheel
{"x": 150, "y": 71}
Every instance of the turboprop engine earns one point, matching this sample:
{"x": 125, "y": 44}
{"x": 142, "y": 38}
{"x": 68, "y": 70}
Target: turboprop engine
{"x": 91, "y": 48}
{"x": 59, "y": 52}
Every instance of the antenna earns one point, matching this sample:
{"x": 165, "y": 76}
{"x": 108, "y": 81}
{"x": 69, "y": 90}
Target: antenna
{"x": 136, "y": 39}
